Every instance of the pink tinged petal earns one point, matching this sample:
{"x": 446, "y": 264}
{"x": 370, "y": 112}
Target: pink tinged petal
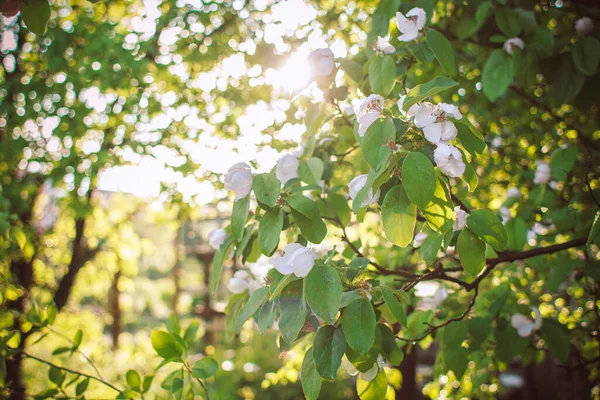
{"x": 449, "y": 131}
{"x": 283, "y": 266}
{"x": 433, "y": 132}
{"x": 424, "y": 115}
{"x": 366, "y": 121}
{"x": 409, "y": 35}
{"x": 421, "y": 17}
{"x": 404, "y": 24}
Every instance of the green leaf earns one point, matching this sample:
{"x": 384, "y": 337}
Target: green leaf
{"x": 189, "y": 335}
{"x": 425, "y": 90}
{"x": 77, "y": 339}
{"x": 205, "y": 368}
{"x": 56, "y": 376}
{"x": 421, "y": 52}
{"x": 586, "y": 55}
{"x": 329, "y": 345}
{"x": 482, "y": 11}
{"x": 255, "y": 301}
{"x": 431, "y": 247}
{"x": 557, "y": 338}
{"x": 307, "y": 217}
{"x": 358, "y": 322}
{"x": 382, "y": 74}
{"x": 147, "y": 382}
{"x": 269, "y": 230}
{"x": 456, "y": 360}
{"x": 293, "y": 311}
{"x": 365, "y": 361}
{"x": 374, "y": 389}
{"x": 509, "y": 344}
{"x": 470, "y": 137}
{"x": 418, "y": 177}
{"x": 374, "y": 143}
{"x": 399, "y": 217}
{"x": 239, "y": 215}
{"x": 173, "y": 324}
{"x": 566, "y": 81}
{"x": 266, "y": 188}
{"x": 232, "y": 311}
{"x": 480, "y": 328}
{"x": 82, "y": 386}
{"x": 311, "y": 170}
{"x": 488, "y": 227}
{"x": 353, "y": 69}
{"x": 509, "y": 22}
{"x": 471, "y": 251}
{"x": 563, "y": 161}
{"x": 323, "y": 292}
{"x": 443, "y": 51}
{"x": 267, "y": 315}
{"x": 394, "y": 305}
{"x": 516, "y": 230}
{"x": 166, "y": 345}
{"x": 302, "y": 204}
{"x": 286, "y": 280}
{"x": 310, "y": 378}
{"x": 439, "y": 213}
{"x": 339, "y": 205}
{"x": 134, "y": 380}
{"x": 498, "y": 73}
{"x": 455, "y": 333}
{"x": 218, "y": 264}
{"x": 417, "y": 324}
{"x": 35, "y": 14}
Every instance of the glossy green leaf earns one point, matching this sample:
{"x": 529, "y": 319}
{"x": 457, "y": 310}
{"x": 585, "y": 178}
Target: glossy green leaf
{"x": 358, "y": 321}
{"x": 586, "y": 55}
{"x": 205, "y": 368}
{"x": 382, "y": 74}
{"x": 165, "y": 344}
{"x": 269, "y": 230}
{"x": 471, "y": 250}
{"x": 255, "y": 301}
{"x": 399, "y": 217}
{"x": 374, "y": 389}
{"x": 498, "y": 73}
{"x": 311, "y": 170}
{"x": 556, "y": 338}
{"x": 35, "y": 14}
{"x": 374, "y": 145}
{"x": 443, "y": 51}
{"x": 266, "y": 188}
{"x": 418, "y": 178}
{"x": 323, "y": 292}
{"x": 292, "y": 311}
{"x": 328, "y": 348}
{"x": 239, "y": 215}
{"x": 486, "y": 225}
{"x": 309, "y": 377}
{"x": 394, "y": 305}
{"x": 425, "y": 90}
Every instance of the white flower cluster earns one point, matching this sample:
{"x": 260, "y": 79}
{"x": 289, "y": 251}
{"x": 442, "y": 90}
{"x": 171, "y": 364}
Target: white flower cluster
{"x": 411, "y": 24}
{"x": 439, "y": 130}
{"x": 239, "y": 179}
{"x": 241, "y": 281}
{"x": 543, "y": 173}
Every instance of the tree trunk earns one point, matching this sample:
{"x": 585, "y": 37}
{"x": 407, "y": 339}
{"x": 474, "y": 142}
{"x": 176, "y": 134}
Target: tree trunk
{"x": 408, "y": 369}
{"x": 115, "y": 309}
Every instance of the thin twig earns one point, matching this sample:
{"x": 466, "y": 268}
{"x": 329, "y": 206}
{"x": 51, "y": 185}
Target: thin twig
{"x": 102, "y": 381}
{"x": 77, "y": 350}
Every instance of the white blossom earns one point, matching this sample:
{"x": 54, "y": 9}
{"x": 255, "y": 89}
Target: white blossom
{"x": 513, "y": 192}
{"x": 322, "y": 62}
{"x": 511, "y": 44}
{"x": 584, "y": 26}
{"x": 505, "y": 213}
{"x": 296, "y": 259}
{"x": 419, "y": 239}
{"x": 434, "y": 121}
{"x": 239, "y": 179}
{"x": 348, "y": 110}
{"x": 356, "y": 185}
{"x": 525, "y": 325}
{"x": 241, "y": 281}
{"x": 216, "y": 237}
{"x": 411, "y": 24}
{"x": 461, "y": 218}
{"x": 449, "y": 159}
{"x": 287, "y": 168}
{"x": 369, "y": 111}
{"x": 411, "y": 110}
{"x": 542, "y": 173}
{"x": 383, "y": 45}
